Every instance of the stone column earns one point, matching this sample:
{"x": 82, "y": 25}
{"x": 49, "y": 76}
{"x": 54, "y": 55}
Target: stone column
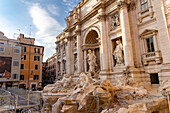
{"x": 126, "y": 34}
{"x": 79, "y": 50}
{"x": 56, "y": 63}
{"x": 85, "y": 61}
{"x": 68, "y": 55}
{"x": 134, "y": 33}
{"x": 61, "y": 65}
{"x": 104, "y": 48}
{"x": 155, "y": 41}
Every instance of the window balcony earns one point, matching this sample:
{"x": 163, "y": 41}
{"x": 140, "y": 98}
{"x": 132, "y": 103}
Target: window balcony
{"x": 152, "y": 56}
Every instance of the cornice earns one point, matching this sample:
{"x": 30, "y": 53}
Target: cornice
{"x": 102, "y": 17}
{"x": 88, "y": 16}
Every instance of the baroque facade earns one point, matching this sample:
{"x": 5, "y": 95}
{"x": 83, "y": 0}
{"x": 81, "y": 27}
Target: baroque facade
{"x": 128, "y": 37}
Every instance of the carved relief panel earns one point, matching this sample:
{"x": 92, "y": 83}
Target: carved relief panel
{"x": 114, "y": 21}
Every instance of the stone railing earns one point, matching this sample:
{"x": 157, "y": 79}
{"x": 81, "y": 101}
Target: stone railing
{"x": 152, "y": 56}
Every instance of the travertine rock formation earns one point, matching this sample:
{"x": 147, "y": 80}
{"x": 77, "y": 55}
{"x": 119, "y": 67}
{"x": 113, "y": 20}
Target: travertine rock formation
{"x": 79, "y": 97}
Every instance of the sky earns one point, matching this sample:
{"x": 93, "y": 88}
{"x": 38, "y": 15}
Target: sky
{"x": 39, "y": 19}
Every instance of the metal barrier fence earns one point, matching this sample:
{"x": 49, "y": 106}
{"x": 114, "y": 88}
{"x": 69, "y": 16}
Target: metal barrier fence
{"x": 16, "y": 99}
{"x": 7, "y": 103}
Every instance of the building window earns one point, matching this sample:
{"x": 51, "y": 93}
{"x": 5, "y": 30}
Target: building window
{"x": 21, "y": 77}
{"x": 150, "y": 45}
{"x": 23, "y": 57}
{"x": 145, "y": 10}
{"x": 36, "y": 50}
{"x": 15, "y": 63}
{"x": 22, "y": 66}
{"x": 144, "y": 4}
{"x": 154, "y": 78}
{"x": 33, "y": 87}
{"x": 36, "y": 66}
{"x": 23, "y": 49}
{"x": 2, "y": 49}
{"x": 16, "y": 51}
{"x": 36, "y": 58}
{"x": 15, "y": 76}
{"x": 1, "y": 43}
{"x": 35, "y": 77}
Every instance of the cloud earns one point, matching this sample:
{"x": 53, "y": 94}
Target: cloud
{"x": 70, "y": 4}
{"x": 53, "y": 9}
{"x": 48, "y": 28}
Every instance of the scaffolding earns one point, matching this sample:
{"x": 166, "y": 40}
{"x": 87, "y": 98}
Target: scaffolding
{"x": 96, "y": 99}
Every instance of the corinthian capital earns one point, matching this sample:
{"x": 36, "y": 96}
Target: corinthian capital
{"x": 132, "y": 5}
{"x": 122, "y": 4}
{"x": 101, "y": 17}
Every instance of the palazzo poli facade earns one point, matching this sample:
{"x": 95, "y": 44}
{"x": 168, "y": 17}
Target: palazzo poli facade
{"x": 127, "y": 37}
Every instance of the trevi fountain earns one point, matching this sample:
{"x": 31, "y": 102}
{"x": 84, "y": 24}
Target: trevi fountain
{"x": 87, "y": 93}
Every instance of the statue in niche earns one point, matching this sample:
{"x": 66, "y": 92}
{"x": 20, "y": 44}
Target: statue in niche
{"x": 91, "y": 61}
{"x": 118, "y": 53}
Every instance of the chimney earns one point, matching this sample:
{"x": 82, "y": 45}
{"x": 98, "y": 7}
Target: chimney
{"x": 21, "y": 36}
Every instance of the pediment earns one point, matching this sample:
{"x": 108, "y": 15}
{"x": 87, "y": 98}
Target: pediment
{"x": 148, "y": 31}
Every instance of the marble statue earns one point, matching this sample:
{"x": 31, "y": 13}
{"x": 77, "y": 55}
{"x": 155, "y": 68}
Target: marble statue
{"x": 82, "y": 83}
{"x": 118, "y": 53}
{"x": 65, "y": 82}
{"x": 91, "y": 58}
{"x": 67, "y": 21}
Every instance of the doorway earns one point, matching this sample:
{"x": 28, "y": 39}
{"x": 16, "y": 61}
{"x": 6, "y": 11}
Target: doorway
{"x": 33, "y": 87}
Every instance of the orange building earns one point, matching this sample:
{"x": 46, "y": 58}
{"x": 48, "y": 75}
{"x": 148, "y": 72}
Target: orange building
{"x": 31, "y": 63}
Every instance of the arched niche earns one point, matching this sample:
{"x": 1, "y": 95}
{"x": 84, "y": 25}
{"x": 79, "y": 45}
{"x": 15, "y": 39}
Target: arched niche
{"x": 91, "y": 42}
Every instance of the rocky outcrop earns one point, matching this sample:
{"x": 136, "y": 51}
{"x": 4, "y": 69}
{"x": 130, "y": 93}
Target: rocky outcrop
{"x": 157, "y": 105}
{"x": 87, "y": 93}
